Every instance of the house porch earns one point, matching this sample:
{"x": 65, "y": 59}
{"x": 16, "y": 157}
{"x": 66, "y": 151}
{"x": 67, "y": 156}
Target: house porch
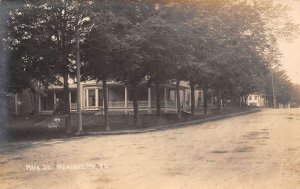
{"x": 119, "y": 99}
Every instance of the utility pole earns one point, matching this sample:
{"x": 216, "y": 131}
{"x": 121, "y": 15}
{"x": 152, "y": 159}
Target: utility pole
{"x": 78, "y": 74}
{"x": 273, "y": 90}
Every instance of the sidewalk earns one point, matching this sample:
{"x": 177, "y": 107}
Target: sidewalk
{"x": 171, "y": 126}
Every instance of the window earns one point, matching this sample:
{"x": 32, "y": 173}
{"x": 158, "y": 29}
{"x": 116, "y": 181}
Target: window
{"x": 73, "y": 97}
{"x": 250, "y": 97}
{"x": 256, "y": 97}
{"x": 172, "y": 95}
{"x": 92, "y": 97}
{"x": 47, "y": 101}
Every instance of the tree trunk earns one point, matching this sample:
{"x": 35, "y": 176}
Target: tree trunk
{"x": 32, "y": 100}
{"x": 178, "y": 99}
{"x": 78, "y": 76}
{"x": 192, "y": 98}
{"x": 219, "y": 98}
{"x": 157, "y": 94}
{"x": 4, "y": 114}
{"x": 244, "y": 104}
{"x": 106, "y": 119}
{"x": 67, "y": 104}
{"x": 205, "y": 98}
{"x": 136, "y": 116}
{"x": 246, "y": 97}
{"x": 35, "y": 103}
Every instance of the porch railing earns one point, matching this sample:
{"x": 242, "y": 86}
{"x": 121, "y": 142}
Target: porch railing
{"x": 142, "y": 104}
{"x": 168, "y": 104}
{"x": 121, "y": 105}
{"x": 116, "y": 104}
{"x": 73, "y": 106}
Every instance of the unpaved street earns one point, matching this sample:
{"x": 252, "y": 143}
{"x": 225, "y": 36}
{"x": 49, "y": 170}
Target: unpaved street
{"x": 260, "y": 150}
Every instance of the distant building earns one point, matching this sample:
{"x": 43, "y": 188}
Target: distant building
{"x": 257, "y": 100}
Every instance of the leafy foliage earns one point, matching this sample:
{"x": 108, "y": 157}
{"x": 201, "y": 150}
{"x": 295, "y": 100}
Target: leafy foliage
{"x": 231, "y": 45}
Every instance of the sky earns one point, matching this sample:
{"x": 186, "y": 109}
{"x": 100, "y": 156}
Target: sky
{"x": 291, "y": 50}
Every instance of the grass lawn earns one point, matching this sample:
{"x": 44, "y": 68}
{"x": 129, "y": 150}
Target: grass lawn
{"x": 49, "y": 126}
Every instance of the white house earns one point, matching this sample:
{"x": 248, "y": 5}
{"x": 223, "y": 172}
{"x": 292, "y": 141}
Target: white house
{"x": 119, "y": 98}
{"x": 256, "y": 100}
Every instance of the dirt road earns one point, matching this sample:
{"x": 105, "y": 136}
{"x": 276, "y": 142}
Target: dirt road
{"x": 256, "y": 151}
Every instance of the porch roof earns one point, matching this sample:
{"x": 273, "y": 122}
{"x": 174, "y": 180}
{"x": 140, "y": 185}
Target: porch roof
{"x": 115, "y": 84}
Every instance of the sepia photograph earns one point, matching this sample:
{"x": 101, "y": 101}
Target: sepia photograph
{"x": 149, "y": 94}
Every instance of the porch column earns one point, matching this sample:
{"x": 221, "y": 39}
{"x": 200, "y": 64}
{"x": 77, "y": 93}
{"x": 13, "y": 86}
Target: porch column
{"x": 175, "y": 99}
{"x": 40, "y": 105}
{"x": 70, "y": 100}
{"x": 97, "y": 97}
{"x": 16, "y": 104}
{"x": 126, "y": 99}
{"x": 149, "y": 99}
{"x": 183, "y": 98}
{"x": 87, "y": 97}
{"x": 54, "y": 96}
{"x": 165, "y": 98}
{"x": 190, "y": 98}
{"x": 109, "y": 105}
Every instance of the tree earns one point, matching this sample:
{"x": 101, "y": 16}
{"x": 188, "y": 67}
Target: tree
{"x": 5, "y": 7}
{"x": 103, "y": 43}
{"x": 295, "y": 95}
{"x": 47, "y": 30}
{"x": 27, "y": 69}
{"x": 180, "y": 53}
{"x": 243, "y": 36}
{"x": 283, "y": 87}
{"x": 129, "y": 64}
{"x": 157, "y": 49}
